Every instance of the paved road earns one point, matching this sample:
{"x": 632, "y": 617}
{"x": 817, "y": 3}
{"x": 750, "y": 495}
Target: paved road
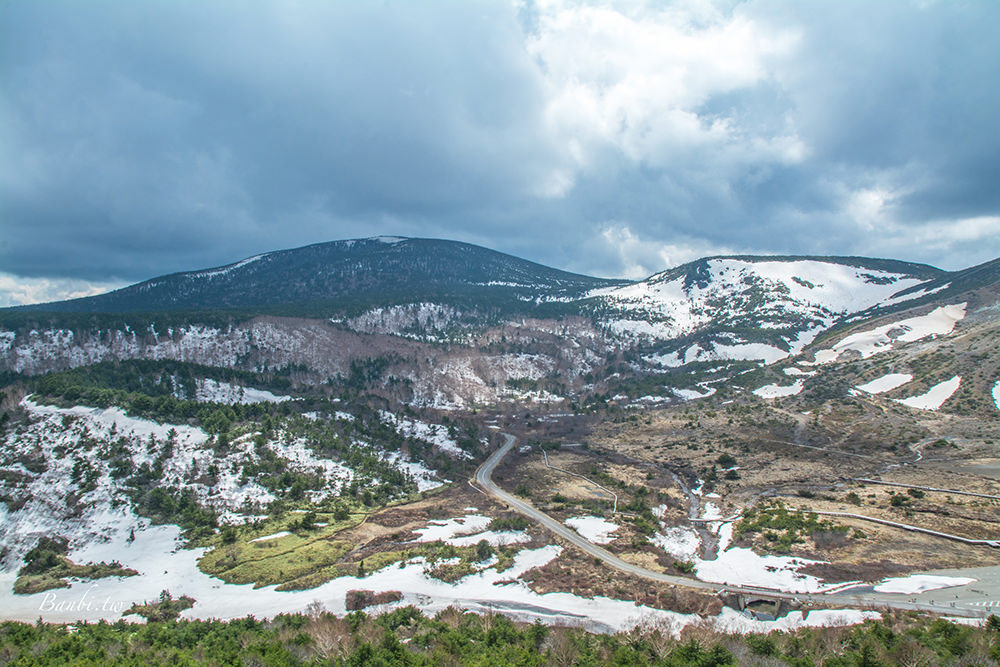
{"x": 484, "y": 477}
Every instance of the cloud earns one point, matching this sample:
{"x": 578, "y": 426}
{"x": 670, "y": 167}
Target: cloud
{"x": 17, "y": 291}
{"x": 147, "y": 138}
{"x": 640, "y": 258}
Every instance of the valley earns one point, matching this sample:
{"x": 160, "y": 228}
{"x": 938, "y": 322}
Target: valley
{"x": 749, "y": 443}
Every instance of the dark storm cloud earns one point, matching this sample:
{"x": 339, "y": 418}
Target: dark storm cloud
{"x": 175, "y": 128}
{"x": 143, "y": 138}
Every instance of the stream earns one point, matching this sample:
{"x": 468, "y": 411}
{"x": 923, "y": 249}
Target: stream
{"x": 709, "y": 542}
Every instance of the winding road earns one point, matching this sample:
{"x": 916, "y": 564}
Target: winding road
{"x": 484, "y": 478}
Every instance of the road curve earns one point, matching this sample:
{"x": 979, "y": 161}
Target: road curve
{"x": 484, "y": 478}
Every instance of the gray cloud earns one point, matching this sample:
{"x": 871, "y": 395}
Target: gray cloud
{"x": 143, "y": 138}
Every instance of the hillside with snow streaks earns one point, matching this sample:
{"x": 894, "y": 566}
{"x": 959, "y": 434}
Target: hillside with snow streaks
{"x": 40, "y": 351}
{"x": 420, "y": 321}
{"x": 787, "y": 302}
{"x": 73, "y": 471}
{"x": 231, "y": 394}
{"x": 436, "y": 434}
{"x": 939, "y": 322}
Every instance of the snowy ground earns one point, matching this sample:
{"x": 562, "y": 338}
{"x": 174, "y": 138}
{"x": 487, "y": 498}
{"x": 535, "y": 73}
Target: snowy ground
{"x": 467, "y": 531}
{"x": 935, "y": 396}
{"x": 918, "y": 583}
{"x": 996, "y": 395}
{"x": 73, "y": 490}
{"x": 163, "y": 566}
{"x": 231, "y": 394}
{"x": 680, "y": 542}
{"x": 693, "y": 394}
{"x": 938, "y": 322}
{"x": 885, "y": 383}
{"x": 433, "y": 433}
{"x": 593, "y": 528}
{"x": 737, "y": 565}
{"x": 777, "y": 391}
{"x": 425, "y": 478}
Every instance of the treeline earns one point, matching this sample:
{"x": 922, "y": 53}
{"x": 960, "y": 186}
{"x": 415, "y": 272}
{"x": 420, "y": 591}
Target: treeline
{"x": 149, "y": 389}
{"x": 406, "y": 637}
{"x": 159, "y": 377}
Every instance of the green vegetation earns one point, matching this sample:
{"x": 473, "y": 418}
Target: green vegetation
{"x": 516, "y": 522}
{"x": 405, "y": 637}
{"x": 687, "y": 567}
{"x": 784, "y": 528}
{"x": 46, "y": 567}
{"x": 310, "y": 554}
{"x": 164, "y": 609}
{"x": 305, "y": 558}
{"x": 149, "y": 389}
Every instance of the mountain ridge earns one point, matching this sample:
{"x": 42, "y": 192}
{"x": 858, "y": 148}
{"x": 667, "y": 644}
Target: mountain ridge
{"x": 339, "y": 274}
{"x": 385, "y": 270}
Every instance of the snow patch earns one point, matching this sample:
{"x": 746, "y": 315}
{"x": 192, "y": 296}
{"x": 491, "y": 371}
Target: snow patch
{"x": 680, "y": 542}
{"x": 692, "y": 394}
{"x": 918, "y": 583}
{"x": 885, "y": 383}
{"x": 162, "y": 564}
{"x": 425, "y": 478}
{"x": 777, "y": 391}
{"x": 738, "y": 566}
{"x": 939, "y": 322}
{"x": 435, "y": 434}
{"x": 272, "y": 536}
{"x": 935, "y": 396}
{"x": 231, "y": 394}
{"x": 451, "y": 528}
{"x": 593, "y": 528}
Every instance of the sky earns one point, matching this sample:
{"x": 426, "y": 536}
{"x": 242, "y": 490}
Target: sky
{"x": 607, "y": 138}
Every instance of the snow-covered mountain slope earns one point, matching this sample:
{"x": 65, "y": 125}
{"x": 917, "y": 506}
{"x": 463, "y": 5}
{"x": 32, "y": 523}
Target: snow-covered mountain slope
{"x": 458, "y": 326}
{"x": 749, "y": 307}
{"x": 419, "y": 373}
{"x": 941, "y": 355}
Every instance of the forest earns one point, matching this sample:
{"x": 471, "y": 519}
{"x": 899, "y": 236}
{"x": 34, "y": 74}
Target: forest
{"x": 406, "y": 637}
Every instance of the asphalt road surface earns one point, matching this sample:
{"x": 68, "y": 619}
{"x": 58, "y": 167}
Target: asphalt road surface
{"x": 969, "y": 601}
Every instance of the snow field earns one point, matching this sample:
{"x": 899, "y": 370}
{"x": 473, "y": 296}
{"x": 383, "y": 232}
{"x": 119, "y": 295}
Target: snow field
{"x": 939, "y": 322}
{"x": 693, "y": 394}
{"x": 680, "y": 542}
{"x": 935, "y": 397}
{"x": 885, "y": 383}
{"x": 451, "y": 528}
{"x": 163, "y": 565}
{"x": 778, "y": 391}
{"x": 918, "y": 583}
{"x": 735, "y": 565}
{"x": 996, "y": 395}
{"x": 815, "y": 292}
{"x": 593, "y": 528}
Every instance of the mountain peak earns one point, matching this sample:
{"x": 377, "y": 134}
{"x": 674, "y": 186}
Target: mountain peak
{"x": 325, "y": 278}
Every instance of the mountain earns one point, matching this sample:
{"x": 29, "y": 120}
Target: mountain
{"x": 452, "y": 325}
{"x": 746, "y": 307}
{"x": 195, "y": 404}
{"x": 335, "y": 277}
